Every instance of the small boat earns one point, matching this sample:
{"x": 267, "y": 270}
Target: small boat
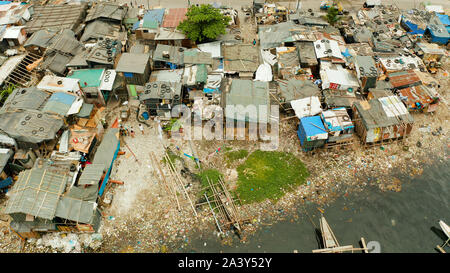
{"x": 331, "y": 244}
{"x": 445, "y": 228}
{"x": 329, "y": 240}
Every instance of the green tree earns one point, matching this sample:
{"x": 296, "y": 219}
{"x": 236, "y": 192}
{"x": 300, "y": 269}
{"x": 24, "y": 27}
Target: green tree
{"x": 204, "y": 23}
{"x": 332, "y": 15}
{"x": 5, "y": 93}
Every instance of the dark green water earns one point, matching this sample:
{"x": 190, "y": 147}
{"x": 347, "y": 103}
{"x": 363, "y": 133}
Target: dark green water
{"x": 402, "y": 222}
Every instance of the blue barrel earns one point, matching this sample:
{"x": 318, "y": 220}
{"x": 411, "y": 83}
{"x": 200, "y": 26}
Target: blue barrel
{"x": 145, "y": 115}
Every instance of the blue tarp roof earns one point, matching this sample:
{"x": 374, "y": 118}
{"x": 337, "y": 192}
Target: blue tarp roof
{"x": 413, "y": 27}
{"x": 308, "y": 126}
{"x": 445, "y": 20}
{"x": 5, "y": 2}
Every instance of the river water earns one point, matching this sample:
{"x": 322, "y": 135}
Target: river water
{"x": 401, "y": 222}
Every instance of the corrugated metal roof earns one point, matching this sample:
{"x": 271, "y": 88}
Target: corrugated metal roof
{"x": 373, "y": 115}
{"x": 30, "y": 125}
{"x": 56, "y": 17}
{"x": 153, "y": 18}
{"x": 174, "y": 17}
{"x": 36, "y": 192}
{"x": 176, "y": 55}
{"x": 248, "y": 93}
{"x": 59, "y": 103}
{"x": 193, "y": 56}
{"x": 76, "y": 210}
{"x": 25, "y": 98}
{"x": 214, "y": 48}
{"x": 240, "y": 58}
{"x": 91, "y": 174}
{"x": 404, "y": 79}
{"x": 133, "y": 62}
{"x": 174, "y": 75}
{"x": 107, "y": 10}
{"x": 294, "y": 89}
{"x": 107, "y": 148}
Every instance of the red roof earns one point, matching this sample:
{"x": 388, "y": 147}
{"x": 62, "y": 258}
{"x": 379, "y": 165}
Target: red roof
{"x": 174, "y": 17}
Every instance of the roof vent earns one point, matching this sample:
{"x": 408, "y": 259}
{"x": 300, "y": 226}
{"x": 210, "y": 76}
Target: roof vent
{"x": 165, "y": 54}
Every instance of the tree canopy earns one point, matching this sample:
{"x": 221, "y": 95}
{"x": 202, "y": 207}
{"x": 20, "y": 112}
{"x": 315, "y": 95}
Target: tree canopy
{"x": 332, "y": 15}
{"x": 204, "y": 23}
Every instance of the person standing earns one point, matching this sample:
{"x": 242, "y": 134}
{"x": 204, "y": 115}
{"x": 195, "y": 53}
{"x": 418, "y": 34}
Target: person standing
{"x": 141, "y": 128}
{"x": 132, "y": 132}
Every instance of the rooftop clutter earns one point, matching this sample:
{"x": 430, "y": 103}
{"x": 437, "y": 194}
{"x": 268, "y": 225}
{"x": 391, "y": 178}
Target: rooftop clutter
{"x": 64, "y": 65}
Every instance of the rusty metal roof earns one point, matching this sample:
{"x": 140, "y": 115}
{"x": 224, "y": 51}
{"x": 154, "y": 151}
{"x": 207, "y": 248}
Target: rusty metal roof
{"x": 174, "y": 17}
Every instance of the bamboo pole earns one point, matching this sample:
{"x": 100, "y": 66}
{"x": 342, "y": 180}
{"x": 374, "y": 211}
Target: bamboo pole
{"x": 173, "y": 189}
{"x": 173, "y": 170}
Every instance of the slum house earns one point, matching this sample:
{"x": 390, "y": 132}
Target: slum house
{"x": 160, "y": 97}
{"x": 106, "y": 154}
{"x": 271, "y": 36}
{"x": 445, "y": 20}
{"x": 338, "y": 98}
{"x": 168, "y": 57}
{"x": 214, "y": 48}
{"x": 358, "y": 34}
{"x": 366, "y": 72}
{"x": 96, "y": 84}
{"x": 251, "y": 106}
{"x": 307, "y": 56}
{"x": 242, "y": 59}
{"x": 334, "y": 76}
{"x": 14, "y": 13}
{"x": 294, "y": 89}
{"x": 104, "y": 20}
{"x": 312, "y": 133}
{"x": 437, "y": 31}
{"x": 339, "y": 126}
{"x": 30, "y": 127}
{"x": 12, "y": 36}
{"x": 173, "y": 17}
{"x": 401, "y": 62}
{"x": 134, "y": 67}
{"x": 429, "y": 52}
{"x": 147, "y": 28}
{"x": 18, "y": 70}
{"x": 420, "y": 98}
{"x": 98, "y": 31}
{"x": 403, "y": 79}
{"x": 288, "y": 63}
{"x": 42, "y": 200}
{"x": 25, "y": 98}
{"x": 109, "y": 12}
{"x": 53, "y": 83}
{"x": 415, "y": 21}
{"x": 63, "y": 104}
{"x": 381, "y": 119}
{"x": 103, "y": 54}
{"x": 57, "y": 17}
{"x": 58, "y": 48}
{"x": 131, "y": 17}
{"x": 326, "y": 49}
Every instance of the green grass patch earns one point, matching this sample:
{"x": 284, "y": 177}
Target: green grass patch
{"x": 203, "y": 176}
{"x": 235, "y": 155}
{"x": 269, "y": 175}
{"x": 173, "y": 157}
